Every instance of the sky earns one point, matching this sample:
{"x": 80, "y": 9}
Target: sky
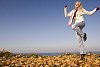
{"x": 39, "y": 26}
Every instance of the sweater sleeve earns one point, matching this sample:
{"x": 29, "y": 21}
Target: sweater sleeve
{"x": 89, "y": 12}
{"x": 67, "y": 14}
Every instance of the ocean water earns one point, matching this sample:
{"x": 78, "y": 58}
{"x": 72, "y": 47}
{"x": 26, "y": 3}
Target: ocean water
{"x": 50, "y": 54}
{"x": 56, "y": 54}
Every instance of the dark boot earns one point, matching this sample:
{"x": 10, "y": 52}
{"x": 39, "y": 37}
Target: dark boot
{"x": 85, "y": 37}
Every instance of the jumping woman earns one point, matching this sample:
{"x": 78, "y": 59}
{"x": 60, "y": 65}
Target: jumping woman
{"x": 77, "y": 22}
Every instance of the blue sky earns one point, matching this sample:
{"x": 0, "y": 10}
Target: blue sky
{"x": 40, "y": 26}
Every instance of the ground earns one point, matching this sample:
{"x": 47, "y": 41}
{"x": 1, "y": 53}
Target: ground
{"x": 64, "y": 60}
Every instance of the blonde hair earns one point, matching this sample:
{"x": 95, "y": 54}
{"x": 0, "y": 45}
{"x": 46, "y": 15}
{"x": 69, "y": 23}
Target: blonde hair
{"x": 78, "y": 4}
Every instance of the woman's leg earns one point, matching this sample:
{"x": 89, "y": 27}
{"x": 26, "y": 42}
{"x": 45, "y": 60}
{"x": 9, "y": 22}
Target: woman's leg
{"x": 81, "y": 44}
{"x": 78, "y": 28}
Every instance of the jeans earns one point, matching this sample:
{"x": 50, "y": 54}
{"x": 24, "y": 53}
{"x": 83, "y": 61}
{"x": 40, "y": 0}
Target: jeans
{"x": 80, "y": 34}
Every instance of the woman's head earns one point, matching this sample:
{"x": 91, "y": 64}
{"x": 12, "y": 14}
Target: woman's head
{"x": 78, "y": 4}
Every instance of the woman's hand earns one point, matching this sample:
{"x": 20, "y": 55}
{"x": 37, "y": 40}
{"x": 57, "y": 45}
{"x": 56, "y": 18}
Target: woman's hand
{"x": 65, "y": 6}
{"x": 97, "y": 8}
{"x": 69, "y": 24}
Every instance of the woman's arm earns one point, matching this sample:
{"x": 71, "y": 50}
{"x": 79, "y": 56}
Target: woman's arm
{"x": 65, "y": 12}
{"x": 90, "y": 12}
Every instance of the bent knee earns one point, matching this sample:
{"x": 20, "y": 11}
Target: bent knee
{"x": 73, "y": 27}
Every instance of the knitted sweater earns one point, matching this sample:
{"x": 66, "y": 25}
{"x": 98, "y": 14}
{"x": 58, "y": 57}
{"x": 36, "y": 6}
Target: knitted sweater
{"x": 79, "y": 15}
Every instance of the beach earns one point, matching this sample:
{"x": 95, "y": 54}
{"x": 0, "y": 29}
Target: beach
{"x": 63, "y": 60}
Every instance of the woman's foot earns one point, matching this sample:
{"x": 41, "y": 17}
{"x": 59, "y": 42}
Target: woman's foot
{"x": 85, "y": 37}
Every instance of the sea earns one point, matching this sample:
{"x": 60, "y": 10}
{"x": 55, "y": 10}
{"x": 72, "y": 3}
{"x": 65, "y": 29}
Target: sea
{"x": 56, "y": 53}
{"x": 61, "y": 53}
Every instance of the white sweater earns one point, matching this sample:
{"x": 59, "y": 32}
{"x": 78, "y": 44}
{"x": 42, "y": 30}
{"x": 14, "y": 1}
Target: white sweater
{"x": 79, "y": 15}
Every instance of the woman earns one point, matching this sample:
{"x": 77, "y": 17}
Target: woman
{"x": 77, "y": 21}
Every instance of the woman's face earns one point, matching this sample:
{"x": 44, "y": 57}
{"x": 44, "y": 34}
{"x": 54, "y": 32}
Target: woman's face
{"x": 77, "y": 4}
